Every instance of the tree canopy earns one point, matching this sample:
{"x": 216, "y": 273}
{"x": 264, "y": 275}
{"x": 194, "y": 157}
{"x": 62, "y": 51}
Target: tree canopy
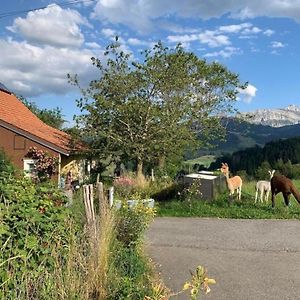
{"x": 152, "y": 108}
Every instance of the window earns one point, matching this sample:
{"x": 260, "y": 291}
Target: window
{"x": 28, "y": 166}
{"x": 19, "y": 142}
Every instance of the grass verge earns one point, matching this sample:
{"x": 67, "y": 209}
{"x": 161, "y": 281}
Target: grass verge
{"x": 221, "y": 208}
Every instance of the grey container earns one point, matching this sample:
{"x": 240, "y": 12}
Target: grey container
{"x": 210, "y": 185}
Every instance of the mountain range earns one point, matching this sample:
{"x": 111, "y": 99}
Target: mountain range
{"x": 276, "y": 117}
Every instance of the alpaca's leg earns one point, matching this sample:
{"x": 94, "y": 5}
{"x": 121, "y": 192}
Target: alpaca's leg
{"x": 261, "y": 195}
{"x": 231, "y": 194}
{"x": 256, "y": 195}
{"x": 273, "y": 201}
{"x": 267, "y": 196}
{"x": 240, "y": 192}
{"x": 286, "y": 199}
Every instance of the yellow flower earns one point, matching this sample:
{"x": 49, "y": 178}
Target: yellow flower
{"x": 186, "y": 286}
{"x": 209, "y": 280}
{"x": 206, "y": 282}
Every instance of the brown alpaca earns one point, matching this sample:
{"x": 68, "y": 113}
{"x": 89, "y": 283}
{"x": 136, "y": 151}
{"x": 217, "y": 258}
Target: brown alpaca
{"x": 233, "y": 183}
{"x": 284, "y": 185}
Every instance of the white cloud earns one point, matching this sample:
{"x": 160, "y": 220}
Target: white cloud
{"x": 142, "y": 15}
{"x": 183, "y": 38}
{"x": 235, "y": 28}
{"x": 108, "y": 32}
{"x": 134, "y": 14}
{"x": 248, "y": 93}
{"x": 51, "y": 26}
{"x": 31, "y": 70}
{"x": 209, "y": 37}
{"x": 268, "y": 32}
{"x": 249, "y": 31}
{"x": 93, "y": 45}
{"x": 138, "y": 42}
{"x": 213, "y": 40}
{"x": 227, "y": 52}
{"x": 276, "y": 45}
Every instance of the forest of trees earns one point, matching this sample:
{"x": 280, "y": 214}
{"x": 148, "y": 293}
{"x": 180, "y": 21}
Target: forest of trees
{"x": 281, "y": 155}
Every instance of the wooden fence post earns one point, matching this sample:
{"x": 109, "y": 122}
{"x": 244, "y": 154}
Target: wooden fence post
{"x": 88, "y": 197}
{"x": 111, "y": 196}
{"x": 100, "y": 194}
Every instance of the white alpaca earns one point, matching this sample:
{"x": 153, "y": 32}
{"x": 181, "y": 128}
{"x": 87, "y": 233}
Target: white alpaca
{"x": 264, "y": 186}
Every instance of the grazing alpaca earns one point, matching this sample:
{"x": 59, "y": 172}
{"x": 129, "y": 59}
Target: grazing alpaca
{"x": 264, "y": 186}
{"x": 233, "y": 183}
{"x": 282, "y": 184}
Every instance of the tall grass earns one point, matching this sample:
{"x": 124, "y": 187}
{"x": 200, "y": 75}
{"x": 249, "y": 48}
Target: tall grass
{"x": 89, "y": 266}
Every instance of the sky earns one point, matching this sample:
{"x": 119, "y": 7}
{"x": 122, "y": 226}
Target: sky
{"x": 42, "y": 41}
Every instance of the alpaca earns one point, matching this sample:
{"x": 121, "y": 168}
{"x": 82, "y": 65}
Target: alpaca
{"x": 233, "y": 183}
{"x": 284, "y": 185}
{"x": 264, "y": 187}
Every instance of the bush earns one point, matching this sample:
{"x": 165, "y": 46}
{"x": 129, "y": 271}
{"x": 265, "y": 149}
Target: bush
{"x": 45, "y": 166}
{"x": 171, "y": 192}
{"x": 32, "y": 225}
{"x": 5, "y": 165}
{"x": 132, "y": 223}
{"x": 129, "y": 272}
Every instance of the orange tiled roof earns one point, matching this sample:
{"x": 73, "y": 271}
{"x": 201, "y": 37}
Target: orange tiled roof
{"x": 15, "y": 113}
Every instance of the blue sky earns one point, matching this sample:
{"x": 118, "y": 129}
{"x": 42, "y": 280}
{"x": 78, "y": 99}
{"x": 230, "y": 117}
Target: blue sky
{"x": 258, "y": 39}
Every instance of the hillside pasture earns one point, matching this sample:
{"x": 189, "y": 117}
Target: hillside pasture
{"x": 244, "y": 209}
{"x": 204, "y": 160}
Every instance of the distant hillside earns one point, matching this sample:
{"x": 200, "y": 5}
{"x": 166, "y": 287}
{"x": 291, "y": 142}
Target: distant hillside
{"x": 275, "y": 117}
{"x": 287, "y": 150}
{"x": 242, "y": 135}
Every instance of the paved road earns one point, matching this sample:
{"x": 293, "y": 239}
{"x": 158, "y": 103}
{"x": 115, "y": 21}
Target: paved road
{"x": 250, "y": 259}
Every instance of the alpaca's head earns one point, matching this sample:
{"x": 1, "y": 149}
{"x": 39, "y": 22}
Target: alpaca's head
{"x": 224, "y": 169}
{"x": 271, "y": 173}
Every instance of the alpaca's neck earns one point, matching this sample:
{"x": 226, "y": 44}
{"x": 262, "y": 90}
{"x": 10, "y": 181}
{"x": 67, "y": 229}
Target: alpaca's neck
{"x": 226, "y": 175}
{"x": 227, "y": 178}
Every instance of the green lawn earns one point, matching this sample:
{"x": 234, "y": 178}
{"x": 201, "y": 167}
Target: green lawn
{"x": 244, "y": 209}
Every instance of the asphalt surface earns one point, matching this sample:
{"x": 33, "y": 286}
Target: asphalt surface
{"x": 249, "y": 259}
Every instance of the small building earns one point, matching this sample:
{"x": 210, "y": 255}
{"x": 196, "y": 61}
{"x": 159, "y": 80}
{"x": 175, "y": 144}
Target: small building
{"x": 210, "y": 185}
{"x": 20, "y": 130}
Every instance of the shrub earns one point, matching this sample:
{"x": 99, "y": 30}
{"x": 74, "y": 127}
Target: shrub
{"x": 5, "y": 165}
{"x": 170, "y": 192}
{"x": 130, "y": 273}
{"x": 45, "y": 166}
{"x": 32, "y": 225}
{"x": 124, "y": 187}
{"x": 132, "y": 223}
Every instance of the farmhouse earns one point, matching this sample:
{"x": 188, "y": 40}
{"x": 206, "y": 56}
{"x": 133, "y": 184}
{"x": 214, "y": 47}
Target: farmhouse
{"x": 20, "y": 130}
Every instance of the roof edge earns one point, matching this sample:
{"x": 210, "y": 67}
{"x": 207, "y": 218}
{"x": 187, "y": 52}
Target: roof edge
{"x": 34, "y": 138}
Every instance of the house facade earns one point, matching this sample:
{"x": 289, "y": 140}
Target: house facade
{"x": 20, "y": 130}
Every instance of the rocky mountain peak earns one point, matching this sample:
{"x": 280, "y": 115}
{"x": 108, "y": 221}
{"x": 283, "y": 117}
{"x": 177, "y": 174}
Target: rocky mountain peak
{"x": 276, "y": 117}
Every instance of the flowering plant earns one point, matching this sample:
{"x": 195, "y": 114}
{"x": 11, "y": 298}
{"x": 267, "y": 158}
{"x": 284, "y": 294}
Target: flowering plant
{"x": 124, "y": 186}
{"x": 45, "y": 166}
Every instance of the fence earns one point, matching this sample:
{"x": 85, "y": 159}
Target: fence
{"x": 88, "y": 197}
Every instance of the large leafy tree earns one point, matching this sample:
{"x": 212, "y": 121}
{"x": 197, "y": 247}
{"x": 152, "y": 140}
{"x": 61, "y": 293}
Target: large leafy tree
{"x": 154, "y": 107}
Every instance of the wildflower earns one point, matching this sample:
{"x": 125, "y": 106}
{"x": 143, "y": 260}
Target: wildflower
{"x": 206, "y": 283}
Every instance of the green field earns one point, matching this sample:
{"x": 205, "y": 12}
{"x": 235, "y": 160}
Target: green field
{"x": 205, "y": 160}
{"x": 244, "y": 209}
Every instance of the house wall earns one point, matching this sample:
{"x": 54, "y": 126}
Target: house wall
{"x": 16, "y": 146}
